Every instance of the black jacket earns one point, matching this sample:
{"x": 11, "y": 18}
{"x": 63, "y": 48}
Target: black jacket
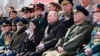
{"x": 16, "y": 39}
{"x": 68, "y": 23}
{"x": 57, "y": 31}
{"x": 27, "y": 45}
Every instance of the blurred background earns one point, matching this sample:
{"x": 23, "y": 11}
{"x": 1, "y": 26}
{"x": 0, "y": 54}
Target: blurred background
{"x": 21, "y": 3}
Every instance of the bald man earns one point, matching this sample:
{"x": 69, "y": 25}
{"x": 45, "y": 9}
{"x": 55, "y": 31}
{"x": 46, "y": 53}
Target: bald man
{"x": 52, "y": 34}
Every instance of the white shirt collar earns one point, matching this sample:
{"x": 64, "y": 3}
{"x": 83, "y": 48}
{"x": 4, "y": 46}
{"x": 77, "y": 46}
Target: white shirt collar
{"x": 88, "y": 7}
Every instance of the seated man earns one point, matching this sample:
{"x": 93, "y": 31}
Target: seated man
{"x": 93, "y": 48}
{"x": 53, "y": 32}
{"x": 31, "y": 38}
{"x": 5, "y": 35}
{"x": 21, "y": 24}
{"x": 16, "y": 38}
{"x": 77, "y": 35}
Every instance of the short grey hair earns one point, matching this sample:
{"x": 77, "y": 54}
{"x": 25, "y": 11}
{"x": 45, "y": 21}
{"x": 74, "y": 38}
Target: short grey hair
{"x": 54, "y": 12}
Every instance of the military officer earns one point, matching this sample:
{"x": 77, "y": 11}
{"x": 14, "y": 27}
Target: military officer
{"x": 93, "y": 48}
{"x": 5, "y": 35}
{"x": 78, "y": 34}
{"x": 39, "y": 8}
{"x": 66, "y": 16}
{"x": 16, "y": 38}
{"x": 12, "y": 17}
{"x": 26, "y": 13}
{"x": 21, "y": 27}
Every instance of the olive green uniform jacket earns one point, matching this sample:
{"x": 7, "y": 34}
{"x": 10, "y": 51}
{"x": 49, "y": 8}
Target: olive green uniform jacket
{"x": 75, "y": 37}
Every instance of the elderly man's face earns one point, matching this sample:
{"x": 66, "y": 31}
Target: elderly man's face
{"x": 96, "y": 17}
{"x": 6, "y": 29}
{"x": 85, "y": 3}
{"x": 78, "y": 16}
{"x": 52, "y": 17}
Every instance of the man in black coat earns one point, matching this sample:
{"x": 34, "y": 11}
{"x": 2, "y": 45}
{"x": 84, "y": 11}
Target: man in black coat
{"x": 53, "y": 32}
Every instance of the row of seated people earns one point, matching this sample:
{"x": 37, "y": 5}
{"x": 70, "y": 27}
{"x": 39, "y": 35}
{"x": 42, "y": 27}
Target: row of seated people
{"x": 56, "y": 40}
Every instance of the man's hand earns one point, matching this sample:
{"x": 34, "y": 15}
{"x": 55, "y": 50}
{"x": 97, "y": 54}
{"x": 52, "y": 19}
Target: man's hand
{"x": 40, "y": 47}
{"x": 60, "y": 49}
{"x": 88, "y": 51}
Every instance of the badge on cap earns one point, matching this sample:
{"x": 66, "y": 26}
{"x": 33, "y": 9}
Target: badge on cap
{"x": 20, "y": 22}
{"x": 4, "y": 24}
{"x": 74, "y": 10}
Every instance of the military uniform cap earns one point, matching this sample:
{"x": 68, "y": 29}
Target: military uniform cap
{"x": 39, "y": 6}
{"x": 65, "y": 2}
{"x": 81, "y": 9}
{"x": 6, "y": 23}
{"x": 21, "y": 21}
{"x": 26, "y": 9}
